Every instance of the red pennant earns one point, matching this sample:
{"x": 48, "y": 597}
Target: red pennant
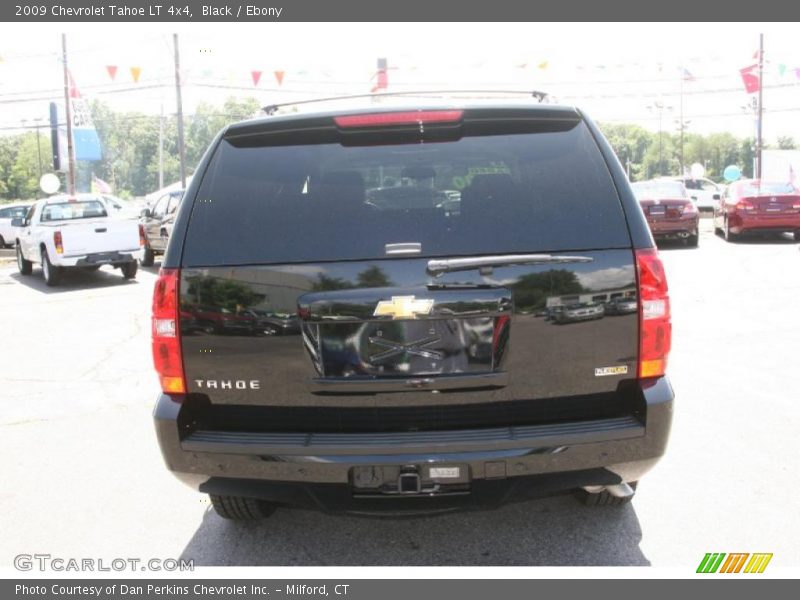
{"x": 256, "y": 77}
{"x": 279, "y": 77}
{"x": 750, "y": 78}
{"x": 73, "y": 89}
{"x": 135, "y": 73}
{"x": 112, "y": 71}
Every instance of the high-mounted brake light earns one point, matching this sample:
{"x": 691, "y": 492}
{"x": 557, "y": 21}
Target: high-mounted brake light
{"x": 142, "y": 238}
{"x": 410, "y": 117}
{"x": 167, "y": 355}
{"x": 655, "y": 326}
{"x": 58, "y": 242}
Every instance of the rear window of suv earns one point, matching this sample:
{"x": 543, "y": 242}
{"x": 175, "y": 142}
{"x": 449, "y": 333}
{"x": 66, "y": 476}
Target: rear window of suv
{"x": 486, "y": 194}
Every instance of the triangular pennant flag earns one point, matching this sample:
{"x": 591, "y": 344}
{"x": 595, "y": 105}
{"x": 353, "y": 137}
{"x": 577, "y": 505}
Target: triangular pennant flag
{"x": 112, "y": 71}
{"x": 279, "y": 77}
{"x": 750, "y": 78}
{"x": 543, "y": 65}
{"x": 256, "y": 75}
{"x": 781, "y": 70}
{"x": 135, "y": 73}
{"x": 73, "y": 89}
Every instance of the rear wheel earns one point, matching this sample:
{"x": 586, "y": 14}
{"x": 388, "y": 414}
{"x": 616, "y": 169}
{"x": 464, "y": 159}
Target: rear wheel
{"x": 52, "y": 274}
{"x": 797, "y": 235}
{"x": 604, "y": 498}
{"x": 238, "y": 508}
{"x": 129, "y": 269}
{"x": 693, "y": 240}
{"x": 25, "y": 266}
{"x": 148, "y": 258}
{"x": 729, "y": 235}
{"x": 2, "y": 242}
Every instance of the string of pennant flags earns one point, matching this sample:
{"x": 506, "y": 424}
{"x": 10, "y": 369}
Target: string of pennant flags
{"x": 379, "y": 78}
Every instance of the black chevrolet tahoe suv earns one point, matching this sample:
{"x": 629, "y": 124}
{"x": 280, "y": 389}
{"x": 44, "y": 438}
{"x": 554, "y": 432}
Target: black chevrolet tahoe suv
{"x": 421, "y": 251}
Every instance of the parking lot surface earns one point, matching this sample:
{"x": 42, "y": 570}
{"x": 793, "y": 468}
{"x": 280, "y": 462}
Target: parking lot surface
{"x": 83, "y": 476}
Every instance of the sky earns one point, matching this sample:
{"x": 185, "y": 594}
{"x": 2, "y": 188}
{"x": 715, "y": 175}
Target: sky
{"x": 629, "y": 73}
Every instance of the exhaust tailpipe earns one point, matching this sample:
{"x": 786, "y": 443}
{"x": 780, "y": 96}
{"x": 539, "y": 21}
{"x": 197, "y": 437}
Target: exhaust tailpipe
{"x": 619, "y": 490}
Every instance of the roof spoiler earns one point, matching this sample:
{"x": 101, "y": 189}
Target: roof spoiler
{"x": 271, "y": 109}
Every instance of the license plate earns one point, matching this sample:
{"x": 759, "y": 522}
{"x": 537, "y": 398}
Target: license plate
{"x": 657, "y": 210}
{"x": 445, "y": 472}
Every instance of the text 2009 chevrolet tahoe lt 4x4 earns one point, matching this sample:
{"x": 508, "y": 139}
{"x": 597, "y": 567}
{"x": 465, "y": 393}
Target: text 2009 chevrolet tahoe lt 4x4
{"x": 422, "y": 251}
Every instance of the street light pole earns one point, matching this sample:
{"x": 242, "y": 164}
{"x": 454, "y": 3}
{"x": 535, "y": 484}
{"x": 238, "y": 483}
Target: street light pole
{"x": 760, "y": 103}
{"x": 39, "y": 145}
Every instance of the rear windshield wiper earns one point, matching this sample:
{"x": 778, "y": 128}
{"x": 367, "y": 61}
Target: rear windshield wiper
{"x": 437, "y": 268}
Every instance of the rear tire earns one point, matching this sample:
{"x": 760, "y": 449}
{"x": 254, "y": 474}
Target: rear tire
{"x": 25, "y": 266}
{"x": 238, "y": 508}
{"x": 797, "y": 235}
{"x": 693, "y": 240}
{"x": 52, "y": 275}
{"x": 129, "y": 269}
{"x": 2, "y": 242}
{"x": 729, "y": 236}
{"x": 604, "y": 498}
{"x": 148, "y": 258}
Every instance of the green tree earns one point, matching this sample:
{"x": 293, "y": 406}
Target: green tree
{"x": 786, "y": 142}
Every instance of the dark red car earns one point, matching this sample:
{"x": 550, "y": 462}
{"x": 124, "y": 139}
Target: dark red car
{"x": 754, "y": 206}
{"x": 669, "y": 211}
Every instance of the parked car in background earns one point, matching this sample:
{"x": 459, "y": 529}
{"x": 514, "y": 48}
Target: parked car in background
{"x": 275, "y": 323}
{"x": 669, "y": 211}
{"x": 7, "y": 214}
{"x": 117, "y": 207}
{"x": 754, "y": 206}
{"x": 705, "y": 193}
{"x": 622, "y": 305}
{"x": 573, "y": 313}
{"x": 158, "y": 222}
{"x": 70, "y": 232}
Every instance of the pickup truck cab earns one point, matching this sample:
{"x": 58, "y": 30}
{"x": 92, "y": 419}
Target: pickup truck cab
{"x": 70, "y": 232}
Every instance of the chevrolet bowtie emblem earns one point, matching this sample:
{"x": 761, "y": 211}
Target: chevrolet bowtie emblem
{"x": 403, "y": 307}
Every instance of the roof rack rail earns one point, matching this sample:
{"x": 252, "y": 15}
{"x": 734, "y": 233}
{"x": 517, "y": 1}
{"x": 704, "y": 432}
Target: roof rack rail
{"x": 271, "y": 109}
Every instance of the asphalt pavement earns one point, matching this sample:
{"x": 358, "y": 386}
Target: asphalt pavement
{"x": 83, "y": 476}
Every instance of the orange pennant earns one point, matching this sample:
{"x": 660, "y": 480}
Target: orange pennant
{"x": 279, "y": 76}
{"x": 135, "y": 73}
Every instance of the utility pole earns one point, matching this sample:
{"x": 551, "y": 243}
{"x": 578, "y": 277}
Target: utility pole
{"x": 181, "y": 150}
{"x": 68, "y": 113}
{"x": 760, "y": 103}
{"x": 161, "y": 147}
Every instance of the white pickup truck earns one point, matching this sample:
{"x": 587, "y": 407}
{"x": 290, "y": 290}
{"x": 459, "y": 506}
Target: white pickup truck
{"x": 65, "y": 232}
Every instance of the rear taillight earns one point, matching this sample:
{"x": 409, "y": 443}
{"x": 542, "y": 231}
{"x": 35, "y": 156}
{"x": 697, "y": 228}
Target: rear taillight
{"x": 655, "y": 327}
{"x": 142, "y": 238}
{"x": 745, "y": 205}
{"x": 689, "y": 208}
{"x": 58, "y": 242}
{"x": 167, "y": 356}
{"x": 410, "y": 117}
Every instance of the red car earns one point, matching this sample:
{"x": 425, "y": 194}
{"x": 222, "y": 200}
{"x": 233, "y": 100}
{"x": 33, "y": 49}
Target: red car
{"x": 754, "y": 206}
{"x": 669, "y": 211}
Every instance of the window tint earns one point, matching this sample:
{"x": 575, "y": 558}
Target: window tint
{"x": 5, "y": 213}
{"x": 527, "y": 192}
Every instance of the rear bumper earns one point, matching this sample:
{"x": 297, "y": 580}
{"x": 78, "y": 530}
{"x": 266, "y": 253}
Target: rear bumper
{"x": 746, "y": 223}
{"x": 356, "y": 472}
{"x": 100, "y": 258}
{"x": 674, "y": 227}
